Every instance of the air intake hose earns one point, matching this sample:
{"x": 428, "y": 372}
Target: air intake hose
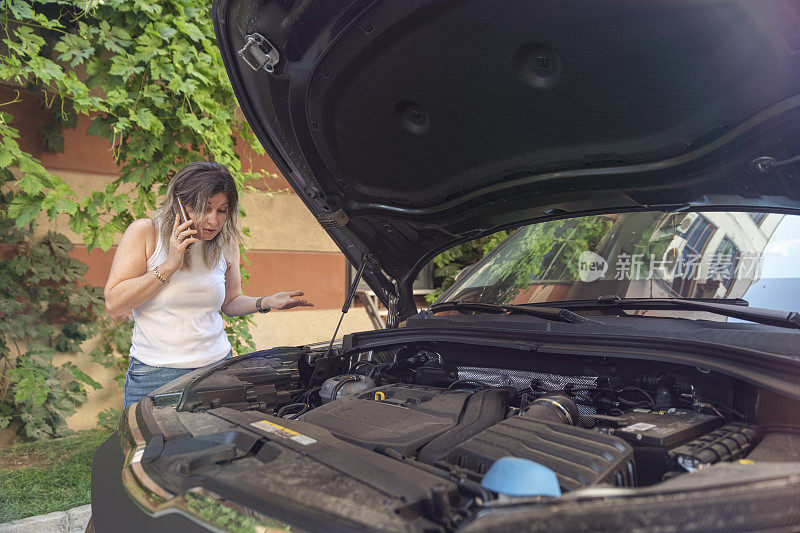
{"x": 554, "y": 408}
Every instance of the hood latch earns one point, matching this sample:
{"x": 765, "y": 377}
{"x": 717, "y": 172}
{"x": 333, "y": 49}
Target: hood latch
{"x": 259, "y": 53}
{"x": 336, "y": 219}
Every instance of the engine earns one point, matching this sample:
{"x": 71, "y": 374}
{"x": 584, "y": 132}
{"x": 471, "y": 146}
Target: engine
{"x": 471, "y": 430}
{"x": 587, "y": 422}
{"x": 587, "y": 430}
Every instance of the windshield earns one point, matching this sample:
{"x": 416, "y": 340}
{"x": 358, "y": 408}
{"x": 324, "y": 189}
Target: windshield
{"x": 755, "y": 256}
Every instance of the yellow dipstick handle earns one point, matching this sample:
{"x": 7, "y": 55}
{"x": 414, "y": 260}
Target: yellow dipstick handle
{"x": 379, "y": 396}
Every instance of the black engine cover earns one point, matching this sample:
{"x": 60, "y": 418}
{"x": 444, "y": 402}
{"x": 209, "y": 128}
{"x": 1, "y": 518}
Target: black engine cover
{"x": 579, "y": 457}
{"x": 467, "y": 429}
{"x": 404, "y": 417}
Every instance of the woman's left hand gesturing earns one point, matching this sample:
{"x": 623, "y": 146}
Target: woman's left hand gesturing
{"x": 286, "y": 300}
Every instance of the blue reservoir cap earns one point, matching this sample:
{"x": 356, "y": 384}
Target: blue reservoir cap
{"x": 515, "y": 476}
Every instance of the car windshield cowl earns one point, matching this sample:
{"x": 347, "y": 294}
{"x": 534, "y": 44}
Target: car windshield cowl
{"x": 548, "y": 312}
{"x": 734, "y": 308}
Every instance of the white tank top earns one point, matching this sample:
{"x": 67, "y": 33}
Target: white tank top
{"x": 180, "y": 327}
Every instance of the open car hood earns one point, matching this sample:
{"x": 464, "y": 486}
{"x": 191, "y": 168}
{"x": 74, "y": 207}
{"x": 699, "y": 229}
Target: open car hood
{"x": 408, "y": 127}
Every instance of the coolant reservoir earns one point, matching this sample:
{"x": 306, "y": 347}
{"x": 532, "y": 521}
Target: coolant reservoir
{"x": 345, "y": 385}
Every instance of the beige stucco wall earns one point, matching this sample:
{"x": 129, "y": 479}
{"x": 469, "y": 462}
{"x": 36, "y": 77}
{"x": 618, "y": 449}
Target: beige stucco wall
{"x": 280, "y": 221}
{"x": 293, "y": 328}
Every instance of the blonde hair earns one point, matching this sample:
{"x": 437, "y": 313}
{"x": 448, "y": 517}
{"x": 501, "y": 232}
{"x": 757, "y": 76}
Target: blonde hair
{"x": 194, "y": 184}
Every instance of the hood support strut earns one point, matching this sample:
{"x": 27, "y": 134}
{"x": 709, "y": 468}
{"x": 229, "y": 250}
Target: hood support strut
{"x": 366, "y": 257}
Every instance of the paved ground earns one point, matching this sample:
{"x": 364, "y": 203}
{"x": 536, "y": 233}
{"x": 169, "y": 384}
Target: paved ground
{"x": 72, "y": 521}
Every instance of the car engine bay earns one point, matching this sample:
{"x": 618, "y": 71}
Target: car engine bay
{"x": 587, "y": 429}
{"x": 421, "y": 426}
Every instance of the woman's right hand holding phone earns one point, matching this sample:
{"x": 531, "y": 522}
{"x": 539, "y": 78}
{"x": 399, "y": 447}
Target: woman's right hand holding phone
{"x": 183, "y": 235}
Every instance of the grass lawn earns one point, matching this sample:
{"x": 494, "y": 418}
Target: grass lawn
{"x": 46, "y": 476}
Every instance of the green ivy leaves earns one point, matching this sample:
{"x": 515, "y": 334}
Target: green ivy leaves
{"x": 238, "y": 331}
{"x": 45, "y": 308}
{"x": 74, "y": 49}
{"x": 114, "y": 38}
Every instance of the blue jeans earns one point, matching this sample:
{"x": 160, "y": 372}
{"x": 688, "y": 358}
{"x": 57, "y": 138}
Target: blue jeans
{"x": 142, "y": 379}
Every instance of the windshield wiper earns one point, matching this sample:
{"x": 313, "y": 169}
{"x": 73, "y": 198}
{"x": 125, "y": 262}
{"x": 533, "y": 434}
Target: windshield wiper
{"x": 547, "y": 313}
{"x": 732, "y": 307}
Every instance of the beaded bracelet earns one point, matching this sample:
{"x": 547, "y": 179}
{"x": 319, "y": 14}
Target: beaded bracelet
{"x": 159, "y": 276}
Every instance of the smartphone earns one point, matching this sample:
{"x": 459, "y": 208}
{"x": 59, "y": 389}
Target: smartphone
{"x": 184, "y": 216}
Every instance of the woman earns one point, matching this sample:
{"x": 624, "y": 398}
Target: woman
{"x": 175, "y": 276}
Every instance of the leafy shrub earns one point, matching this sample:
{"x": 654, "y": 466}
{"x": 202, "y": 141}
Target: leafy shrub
{"x": 108, "y": 419}
{"x": 45, "y": 308}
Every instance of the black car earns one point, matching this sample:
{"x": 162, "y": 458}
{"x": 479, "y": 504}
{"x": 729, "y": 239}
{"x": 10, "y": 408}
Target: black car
{"x": 627, "y": 359}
